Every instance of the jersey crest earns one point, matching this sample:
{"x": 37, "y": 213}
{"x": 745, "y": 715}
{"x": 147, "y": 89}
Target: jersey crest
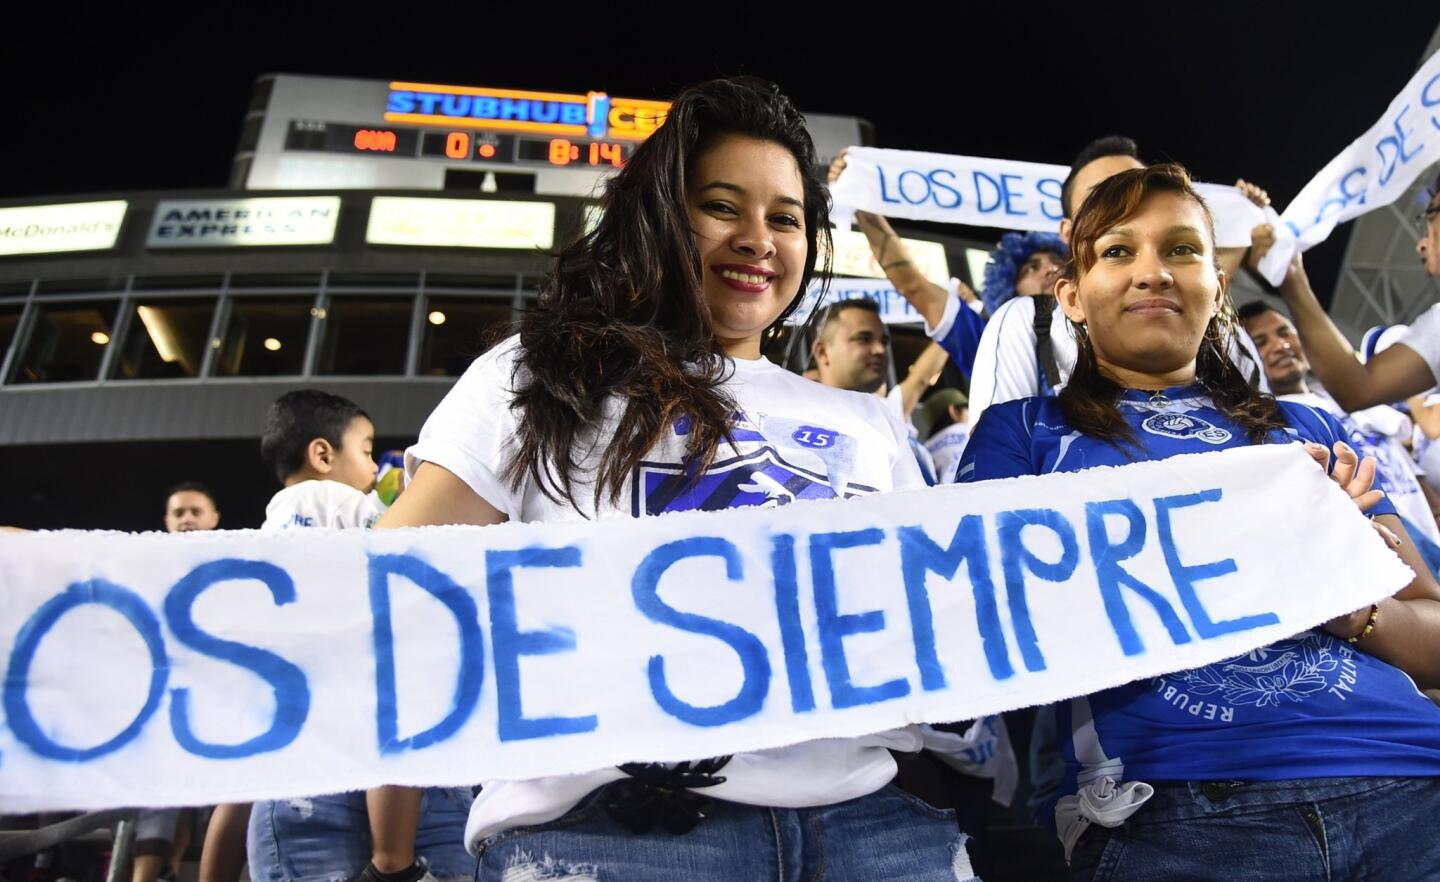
{"x": 1185, "y": 426}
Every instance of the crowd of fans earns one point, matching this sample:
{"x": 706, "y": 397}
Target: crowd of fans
{"x": 1077, "y": 341}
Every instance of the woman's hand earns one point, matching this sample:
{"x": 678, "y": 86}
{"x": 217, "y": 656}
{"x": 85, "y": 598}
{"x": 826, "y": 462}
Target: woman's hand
{"x": 1354, "y": 475}
{"x": 837, "y": 165}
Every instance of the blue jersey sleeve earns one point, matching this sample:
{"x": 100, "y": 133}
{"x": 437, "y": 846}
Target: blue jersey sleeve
{"x": 962, "y": 341}
{"x": 1000, "y": 446}
{"x": 1313, "y": 424}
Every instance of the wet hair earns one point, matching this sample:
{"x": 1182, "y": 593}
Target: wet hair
{"x": 1090, "y": 400}
{"x": 623, "y": 317}
{"x": 1110, "y": 145}
{"x": 192, "y": 487}
{"x": 1009, "y": 255}
{"x": 299, "y": 417}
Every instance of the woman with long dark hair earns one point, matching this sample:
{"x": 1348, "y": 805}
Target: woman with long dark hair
{"x": 636, "y": 386}
{"x": 1264, "y": 766}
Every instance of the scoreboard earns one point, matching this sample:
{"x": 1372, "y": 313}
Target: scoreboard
{"x": 330, "y": 132}
{"x": 326, "y": 133}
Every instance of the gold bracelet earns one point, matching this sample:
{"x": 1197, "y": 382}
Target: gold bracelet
{"x": 1369, "y": 625}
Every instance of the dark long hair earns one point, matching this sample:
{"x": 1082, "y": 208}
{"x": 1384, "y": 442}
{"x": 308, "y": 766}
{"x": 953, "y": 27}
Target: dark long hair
{"x": 1090, "y": 400}
{"x": 622, "y": 317}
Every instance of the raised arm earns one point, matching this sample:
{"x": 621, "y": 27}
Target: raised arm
{"x": 921, "y": 376}
{"x": 1393, "y": 375}
{"x": 927, "y": 297}
{"x": 890, "y": 252}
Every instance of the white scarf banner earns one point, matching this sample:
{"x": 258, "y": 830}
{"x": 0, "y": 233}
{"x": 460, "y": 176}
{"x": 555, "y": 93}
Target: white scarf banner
{"x": 894, "y": 308}
{"x": 1378, "y": 166}
{"x": 1004, "y": 193}
{"x": 199, "y": 668}
{"x": 972, "y": 190}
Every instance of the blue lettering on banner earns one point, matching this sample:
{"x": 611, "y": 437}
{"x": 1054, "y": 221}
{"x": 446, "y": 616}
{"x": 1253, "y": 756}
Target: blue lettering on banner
{"x": 920, "y": 555}
{"x": 911, "y": 174}
{"x": 980, "y": 205}
{"x": 1112, "y": 576}
{"x": 1185, "y": 577}
{"x": 509, "y": 642}
{"x": 1428, "y": 102}
{"x": 1396, "y": 143}
{"x": 472, "y": 650}
{"x": 934, "y": 176}
{"x": 1016, "y": 559}
{"x": 754, "y": 660}
{"x": 792, "y": 634}
{"x": 884, "y": 192}
{"x": 1336, "y": 204}
{"x": 17, "y": 682}
{"x": 1008, "y": 194}
{"x": 286, "y": 680}
{"x": 427, "y": 101}
{"x": 834, "y": 626}
{"x": 1051, "y": 189}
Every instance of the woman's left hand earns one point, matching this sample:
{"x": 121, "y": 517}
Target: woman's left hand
{"x": 1354, "y": 475}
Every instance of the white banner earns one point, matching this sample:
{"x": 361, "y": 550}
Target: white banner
{"x": 460, "y": 223}
{"x": 970, "y": 190}
{"x": 77, "y": 226}
{"x": 894, "y": 308}
{"x": 1378, "y": 166}
{"x": 226, "y": 223}
{"x": 1003, "y": 193}
{"x": 208, "y": 667}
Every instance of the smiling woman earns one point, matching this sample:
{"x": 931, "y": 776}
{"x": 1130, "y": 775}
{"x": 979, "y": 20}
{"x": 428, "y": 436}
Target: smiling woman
{"x": 1255, "y": 767}
{"x": 635, "y": 387}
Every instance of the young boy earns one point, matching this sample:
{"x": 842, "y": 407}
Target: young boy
{"x": 320, "y": 446}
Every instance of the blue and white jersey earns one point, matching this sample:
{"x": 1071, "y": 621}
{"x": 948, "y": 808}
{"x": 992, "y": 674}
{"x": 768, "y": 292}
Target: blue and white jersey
{"x": 1305, "y": 707}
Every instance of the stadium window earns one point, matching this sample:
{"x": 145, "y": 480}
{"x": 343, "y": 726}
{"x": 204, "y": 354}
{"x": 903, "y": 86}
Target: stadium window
{"x": 9, "y": 323}
{"x": 365, "y": 336}
{"x": 265, "y": 337}
{"x": 457, "y": 329}
{"x": 166, "y": 340}
{"x": 68, "y": 342}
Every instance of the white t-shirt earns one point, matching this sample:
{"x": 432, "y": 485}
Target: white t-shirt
{"x": 1424, "y": 338}
{"x": 945, "y": 447}
{"x": 321, "y": 504}
{"x": 1005, "y": 366}
{"x": 1380, "y": 431}
{"x": 795, "y": 439}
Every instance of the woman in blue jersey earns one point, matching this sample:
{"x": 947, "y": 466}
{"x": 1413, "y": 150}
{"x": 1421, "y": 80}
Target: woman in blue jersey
{"x": 1314, "y": 758}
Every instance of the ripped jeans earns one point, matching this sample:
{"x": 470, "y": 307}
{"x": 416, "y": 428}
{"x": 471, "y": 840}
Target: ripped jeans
{"x": 886, "y": 835}
{"x": 327, "y": 838}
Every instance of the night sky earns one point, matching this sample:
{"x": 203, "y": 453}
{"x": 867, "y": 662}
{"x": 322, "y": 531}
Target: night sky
{"x": 98, "y": 101}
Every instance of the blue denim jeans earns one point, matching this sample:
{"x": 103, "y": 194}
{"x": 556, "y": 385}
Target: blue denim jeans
{"x": 1349, "y": 829}
{"x": 327, "y": 838}
{"x": 886, "y": 835}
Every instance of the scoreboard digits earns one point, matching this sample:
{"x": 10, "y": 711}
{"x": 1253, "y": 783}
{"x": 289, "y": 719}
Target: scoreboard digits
{"x": 459, "y": 146}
